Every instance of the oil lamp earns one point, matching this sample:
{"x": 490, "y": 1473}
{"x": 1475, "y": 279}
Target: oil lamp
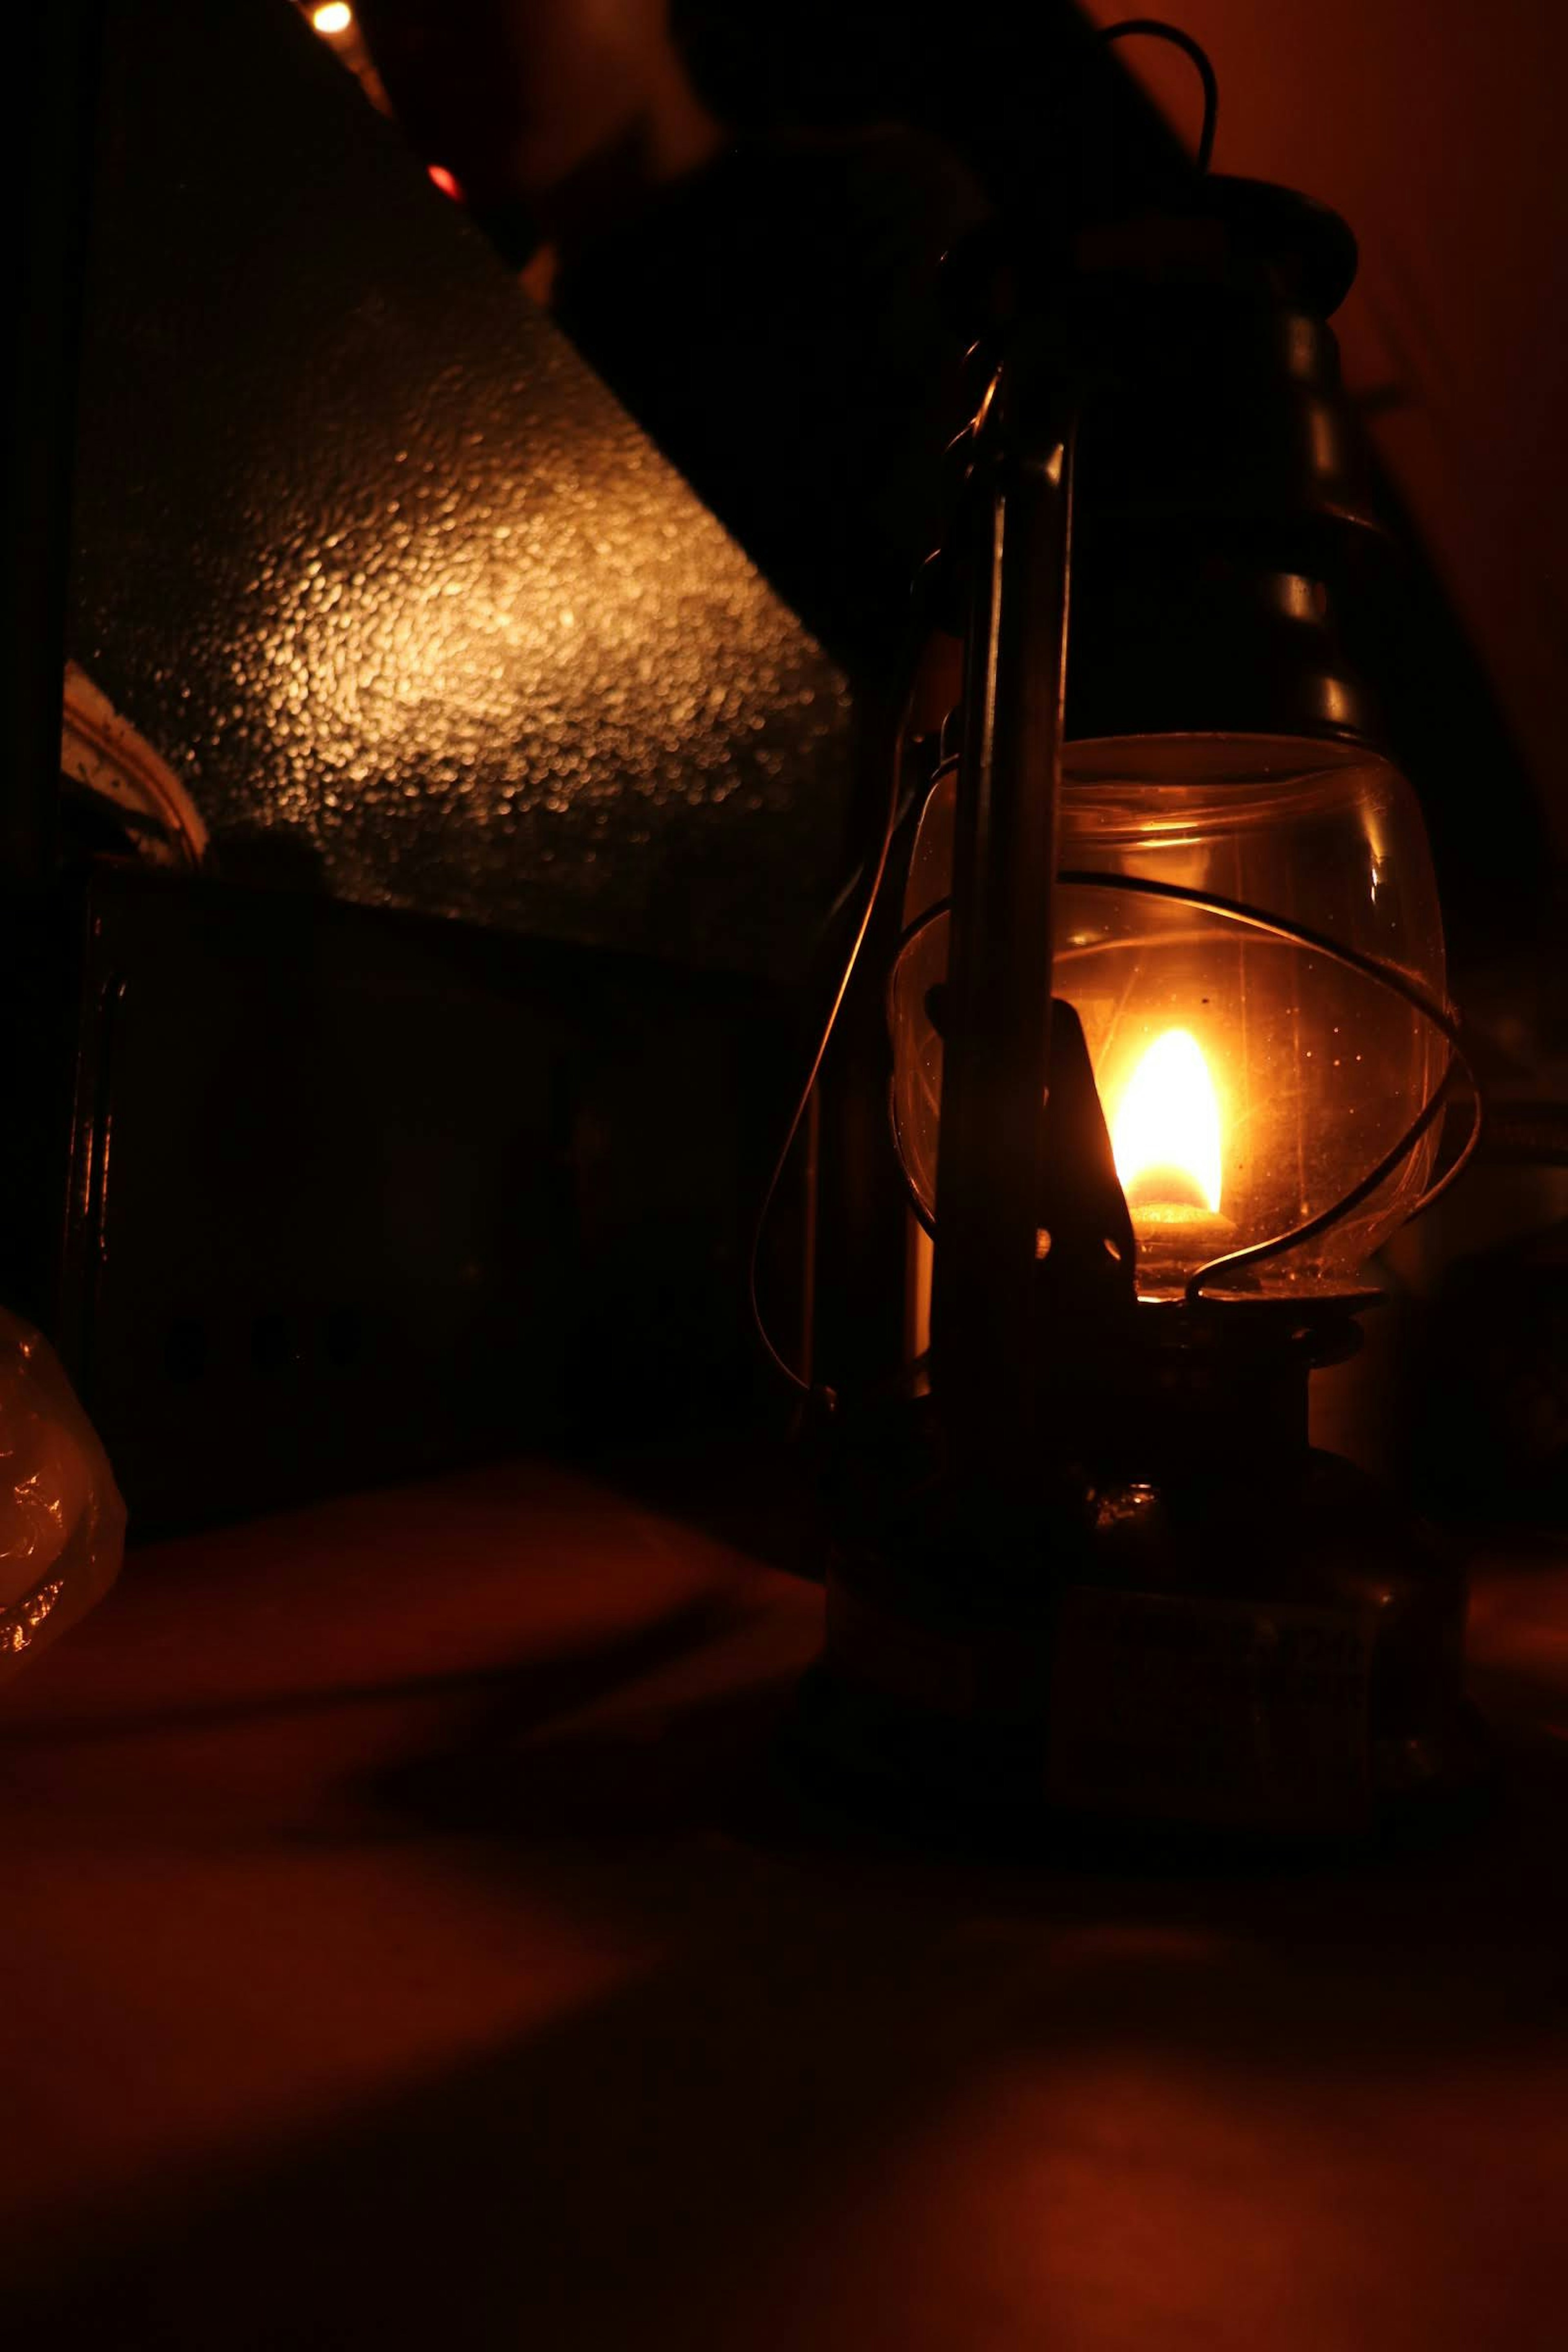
{"x": 1171, "y": 1051}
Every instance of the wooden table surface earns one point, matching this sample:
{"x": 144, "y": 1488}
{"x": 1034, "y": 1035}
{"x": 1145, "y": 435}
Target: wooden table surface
{"x": 404, "y": 1943}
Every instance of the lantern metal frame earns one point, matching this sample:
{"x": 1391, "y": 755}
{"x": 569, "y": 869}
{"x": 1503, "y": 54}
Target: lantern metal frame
{"x": 1060, "y": 1433}
{"x": 1209, "y": 1277}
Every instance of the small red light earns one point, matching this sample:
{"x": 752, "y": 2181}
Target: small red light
{"x": 447, "y": 181}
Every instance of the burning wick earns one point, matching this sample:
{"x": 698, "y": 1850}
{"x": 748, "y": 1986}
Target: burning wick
{"x": 1166, "y": 1143}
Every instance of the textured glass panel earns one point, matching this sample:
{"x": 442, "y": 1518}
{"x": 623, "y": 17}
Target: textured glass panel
{"x": 367, "y": 553}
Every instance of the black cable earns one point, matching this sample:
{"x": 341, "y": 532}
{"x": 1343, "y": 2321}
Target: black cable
{"x": 1155, "y": 29}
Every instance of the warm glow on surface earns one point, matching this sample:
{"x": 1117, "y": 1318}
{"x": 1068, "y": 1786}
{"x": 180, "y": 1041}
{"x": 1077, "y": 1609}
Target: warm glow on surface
{"x": 1165, "y": 1134}
{"x": 334, "y": 17}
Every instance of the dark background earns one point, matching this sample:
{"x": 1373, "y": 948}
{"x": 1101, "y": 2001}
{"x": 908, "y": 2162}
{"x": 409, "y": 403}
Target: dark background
{"x": 336, "y": 485}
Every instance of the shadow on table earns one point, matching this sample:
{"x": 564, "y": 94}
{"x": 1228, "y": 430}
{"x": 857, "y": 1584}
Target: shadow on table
{"x": 685, "y": 2162}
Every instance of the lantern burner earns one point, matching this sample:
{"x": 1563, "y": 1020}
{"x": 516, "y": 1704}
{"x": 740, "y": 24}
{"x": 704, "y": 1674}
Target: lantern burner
{"x": 1187, "y": 1621}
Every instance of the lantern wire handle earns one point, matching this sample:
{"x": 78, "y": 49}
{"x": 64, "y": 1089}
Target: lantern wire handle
{"x": 1436, "y": 1102}
{"x": 806, "y": 1387}
{"x": 1154, "y": 28}
{"x": 1380, "y": 975}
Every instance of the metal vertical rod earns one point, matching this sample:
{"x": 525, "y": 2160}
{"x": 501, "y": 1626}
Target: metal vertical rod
{"x": 997, "y": 1012}
{"x": 810, "y": 1186}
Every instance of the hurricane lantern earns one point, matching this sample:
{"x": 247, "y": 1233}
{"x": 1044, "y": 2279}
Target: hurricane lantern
{"x": 1171, "y": 1049}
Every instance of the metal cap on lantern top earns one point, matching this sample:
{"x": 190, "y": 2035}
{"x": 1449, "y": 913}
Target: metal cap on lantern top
{"x": 1221, "y": 497}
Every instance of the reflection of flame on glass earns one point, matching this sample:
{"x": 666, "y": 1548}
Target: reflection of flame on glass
{"x": 1166, "y": 1135}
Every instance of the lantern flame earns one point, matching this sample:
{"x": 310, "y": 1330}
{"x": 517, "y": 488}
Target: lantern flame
{"x": 1165, "y": 1137}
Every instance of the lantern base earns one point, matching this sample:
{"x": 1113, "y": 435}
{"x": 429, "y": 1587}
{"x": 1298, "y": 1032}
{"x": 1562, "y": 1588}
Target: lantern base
{"x": 1274, "y": 1654}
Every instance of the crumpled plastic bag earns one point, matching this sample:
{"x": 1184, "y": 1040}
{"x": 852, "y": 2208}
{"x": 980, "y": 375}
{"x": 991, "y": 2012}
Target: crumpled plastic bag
{"x": 62, "y": 1522}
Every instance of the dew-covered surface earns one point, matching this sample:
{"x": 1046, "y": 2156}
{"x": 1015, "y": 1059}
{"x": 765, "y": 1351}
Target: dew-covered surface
{"x": 370, "y": 555}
